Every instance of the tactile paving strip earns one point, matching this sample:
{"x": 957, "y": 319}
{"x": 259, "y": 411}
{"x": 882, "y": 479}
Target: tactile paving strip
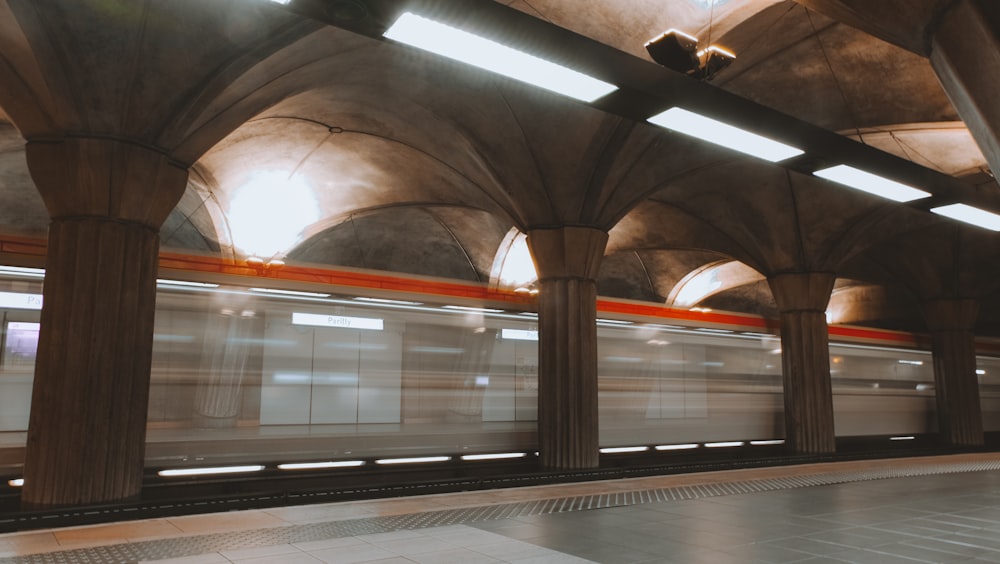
{"x": 203, "y": 544}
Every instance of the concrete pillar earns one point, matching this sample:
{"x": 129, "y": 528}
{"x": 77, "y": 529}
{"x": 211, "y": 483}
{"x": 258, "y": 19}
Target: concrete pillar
{"x": 960, "y": 416}
{"x": 567, "y": 260}
{"x": 805, "y": 360}
{"x": 965, "y": 54}
{"x": 86, "y": 434}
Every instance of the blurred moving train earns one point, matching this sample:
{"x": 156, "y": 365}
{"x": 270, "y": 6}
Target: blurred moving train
{"x": 296, "y": 373}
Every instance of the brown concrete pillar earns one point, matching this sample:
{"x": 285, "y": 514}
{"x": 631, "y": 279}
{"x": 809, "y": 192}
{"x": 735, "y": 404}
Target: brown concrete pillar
{"x": 965, "y": 54}
{"x": 86, "y": 434}
{"x": 960, "y": 416}
{"x": 805, "y": 360}
{"x": 567, "y": 260}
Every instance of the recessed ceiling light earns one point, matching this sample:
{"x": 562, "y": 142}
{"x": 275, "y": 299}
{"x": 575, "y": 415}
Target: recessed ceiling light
{"x": 871, "y": 183}
{"x": 460, "y": 45}
{"x": 971, "y": 215}
{"x": 724, "y": 135}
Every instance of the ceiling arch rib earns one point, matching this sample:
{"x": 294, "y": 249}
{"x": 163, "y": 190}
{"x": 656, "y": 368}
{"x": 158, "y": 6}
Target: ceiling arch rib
{"x": 429, "y": 240}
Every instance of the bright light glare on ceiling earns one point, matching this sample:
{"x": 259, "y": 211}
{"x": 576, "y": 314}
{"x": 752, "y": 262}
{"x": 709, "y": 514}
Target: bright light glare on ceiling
{"x": 871, "y": 183}
{"x": 695, "y": 288}
{"x": 517, "y": 269}
{"x": 468, "y": 48}
{"x": 723, "y": 134}
{"x": 268, "y": 213}
{"x": 971, "y": 215}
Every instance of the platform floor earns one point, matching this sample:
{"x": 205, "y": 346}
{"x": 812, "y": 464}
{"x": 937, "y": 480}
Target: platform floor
{"x": 936, "y": 509}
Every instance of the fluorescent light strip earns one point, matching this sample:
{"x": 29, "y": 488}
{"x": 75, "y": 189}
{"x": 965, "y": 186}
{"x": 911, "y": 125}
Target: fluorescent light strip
{"x": 724, "y": 444}
{"x": 16, "y": 483}
{"x": 23, "y": 271}
{"x": 906, "y": 438}
{"x": 497, "y": 456}
{"x": 321, "y": 465}
{"x": 711, "y": 330}
{"x": 971, "y": 215}
{"x": 768, "y": 442}
{"x": 208, "y": 471}
{"x": 290, "y": 293}
{"x": 486, "y": 54}
{"x": 723, "y": 134}
{"x": 912, "y": 362}
{"x": 387, "y": 301}
{"x": 617, "y": 450}
{"x": 687, "y": 446}
{"x": 980, "y": 372}
{"x": 472, "y": 309}
{"x": 871, "y": 183}
{"x": 166, "y": 282}
{"x": 615, "y": 322}
{"x": 414, "y": 460}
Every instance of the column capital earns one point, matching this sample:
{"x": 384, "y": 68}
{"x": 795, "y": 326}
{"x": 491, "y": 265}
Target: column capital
{"x": 950, "y": 314}
{"x": 802, "y": 291}
{"x": 108, "y": 178}
{"x": 567, "y": 252}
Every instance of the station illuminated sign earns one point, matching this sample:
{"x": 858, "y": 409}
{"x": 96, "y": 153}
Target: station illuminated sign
{"x": 337, "y": 321}
{"x": 13, "y": 300}
{"x": 519, "y": 335}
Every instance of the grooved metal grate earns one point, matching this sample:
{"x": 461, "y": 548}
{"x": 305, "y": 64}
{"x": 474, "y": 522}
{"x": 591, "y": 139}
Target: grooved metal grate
{"x": 203, "y": 544}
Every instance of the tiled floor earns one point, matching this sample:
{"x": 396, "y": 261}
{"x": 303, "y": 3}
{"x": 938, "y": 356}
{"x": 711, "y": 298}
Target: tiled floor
{"x": 942, "y": 509}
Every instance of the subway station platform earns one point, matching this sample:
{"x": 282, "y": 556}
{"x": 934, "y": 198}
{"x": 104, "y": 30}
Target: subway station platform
{"x": 929, "y": 509}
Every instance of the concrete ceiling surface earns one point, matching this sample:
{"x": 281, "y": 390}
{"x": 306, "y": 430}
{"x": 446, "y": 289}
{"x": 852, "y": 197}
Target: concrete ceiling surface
{"x": 348, "y": 151}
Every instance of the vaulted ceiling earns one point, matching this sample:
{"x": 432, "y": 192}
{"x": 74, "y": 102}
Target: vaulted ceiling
{"x": 319, "y": 145}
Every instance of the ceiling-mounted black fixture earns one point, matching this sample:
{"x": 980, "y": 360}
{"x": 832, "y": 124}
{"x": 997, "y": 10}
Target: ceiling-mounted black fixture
{"x": 679, "y": 52}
